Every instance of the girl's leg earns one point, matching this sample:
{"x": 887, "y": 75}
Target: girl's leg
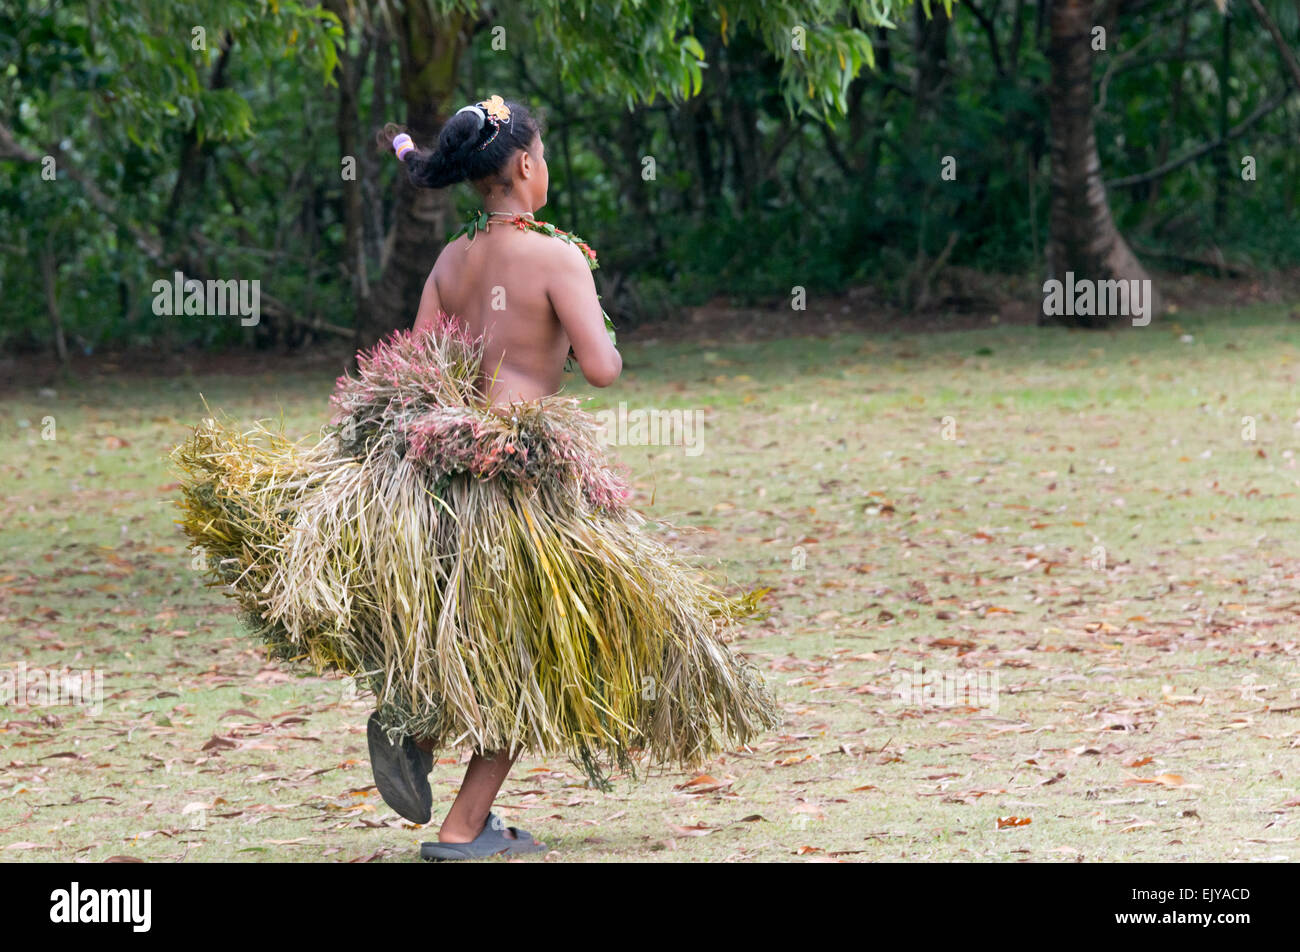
{"x": 468, "y": 814}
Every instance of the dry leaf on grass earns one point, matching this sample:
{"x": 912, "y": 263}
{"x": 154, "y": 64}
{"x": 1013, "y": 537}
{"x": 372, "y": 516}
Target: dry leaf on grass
{"x": 698, "y": 829}
{"x": 1164, "y": 779}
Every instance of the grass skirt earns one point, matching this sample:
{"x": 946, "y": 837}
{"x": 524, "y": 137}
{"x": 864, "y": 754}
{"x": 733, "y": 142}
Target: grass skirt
{"x": 480, "y": 571}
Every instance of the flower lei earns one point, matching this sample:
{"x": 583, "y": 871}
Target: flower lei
{"x": 480, "y": 221}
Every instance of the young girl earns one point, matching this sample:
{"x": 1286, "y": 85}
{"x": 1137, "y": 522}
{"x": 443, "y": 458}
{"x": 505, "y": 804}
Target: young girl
{"x": 531, "y": 298}
{"x": 462, "y": 543}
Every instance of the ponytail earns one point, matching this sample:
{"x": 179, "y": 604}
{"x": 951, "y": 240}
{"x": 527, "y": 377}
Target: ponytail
{"x": 472, "y": 145}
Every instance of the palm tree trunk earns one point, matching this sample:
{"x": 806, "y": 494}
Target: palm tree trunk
{"x": 1082, "y": 236}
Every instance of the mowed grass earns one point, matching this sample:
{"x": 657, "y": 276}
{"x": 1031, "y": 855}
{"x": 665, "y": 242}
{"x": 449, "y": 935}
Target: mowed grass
{"x": 1081, "y": 521}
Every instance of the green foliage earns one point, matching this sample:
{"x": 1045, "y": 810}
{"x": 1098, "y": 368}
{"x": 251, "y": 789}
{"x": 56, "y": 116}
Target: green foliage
{"x": 639, "y": 49}
{"x": 793, "y": 143}
{"x": 861, "y": 203}
{"x": 141, "y": 66}
{"x": 115, "y": 90}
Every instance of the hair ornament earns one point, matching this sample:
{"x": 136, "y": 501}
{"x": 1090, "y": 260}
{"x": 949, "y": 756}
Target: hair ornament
{"x": 495, "y": 111}
{"x": 402, "y": 144}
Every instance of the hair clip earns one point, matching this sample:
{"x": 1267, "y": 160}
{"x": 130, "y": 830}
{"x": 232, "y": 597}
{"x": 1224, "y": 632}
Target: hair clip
{"x": 496, "y": 112}
{"x": 402, "y": 144}
{"x": 479, "y": 113}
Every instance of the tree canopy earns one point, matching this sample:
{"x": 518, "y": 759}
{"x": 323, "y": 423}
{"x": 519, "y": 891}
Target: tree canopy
{"x": 739, "y": 147}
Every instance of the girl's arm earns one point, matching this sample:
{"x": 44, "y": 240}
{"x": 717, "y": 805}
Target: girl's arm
{"x": 572, "y": 293}
{"x": 430, "y": 305}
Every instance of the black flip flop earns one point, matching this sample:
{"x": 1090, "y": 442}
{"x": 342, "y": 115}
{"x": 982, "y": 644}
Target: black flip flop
{"x": 401, "y": 773}
{"x": 491, "y": 842}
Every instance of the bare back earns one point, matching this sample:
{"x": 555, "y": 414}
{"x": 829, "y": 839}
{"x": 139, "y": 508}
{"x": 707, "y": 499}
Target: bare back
{"x": 496, "y": 286}
{"x": 532, "y": 297}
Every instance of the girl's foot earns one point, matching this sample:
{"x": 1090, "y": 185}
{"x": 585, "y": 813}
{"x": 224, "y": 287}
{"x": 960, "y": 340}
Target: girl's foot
{"x": 495, "y": 839}
{"x": 453, "y": 834}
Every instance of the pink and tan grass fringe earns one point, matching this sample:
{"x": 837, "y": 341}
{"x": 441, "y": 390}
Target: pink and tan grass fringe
{"x": 482, "y": 572}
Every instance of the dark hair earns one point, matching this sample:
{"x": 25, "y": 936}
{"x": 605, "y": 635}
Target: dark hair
{"x": 458, "y": 157}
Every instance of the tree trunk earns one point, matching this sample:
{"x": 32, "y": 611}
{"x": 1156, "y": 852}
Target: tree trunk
{"x": 380, "y": 83}
{"x": 1082, "y": 236}
{"x": 50, "y": 285}
{"x": 347, "y": 127}
{"x": 1224, "y": 159}
{"x": 429, "y": 48}
{"x": 1177, "y": 69}
{"x": 194, "y": 159}
{"x": 931, "y": 43}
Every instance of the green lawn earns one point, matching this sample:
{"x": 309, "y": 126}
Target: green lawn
{"x": 1077, "y": 514}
